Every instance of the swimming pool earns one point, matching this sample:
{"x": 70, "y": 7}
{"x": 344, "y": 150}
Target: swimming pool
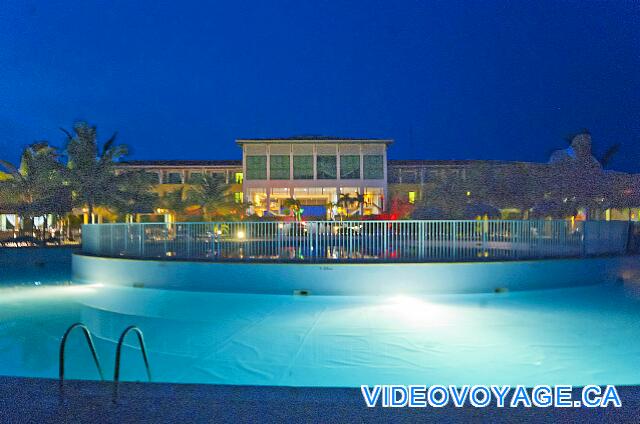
{"x": 582, "y": 335}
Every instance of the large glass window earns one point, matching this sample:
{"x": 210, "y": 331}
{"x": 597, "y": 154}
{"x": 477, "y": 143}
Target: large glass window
{"x": 373, "y": 167}
{"x": 409, "y": 176}
{"x": 174, "y": 178}
{"x": 393, "y": 175}
{"x": 257, "y": 196}
{"x": 350, "y": 167}
{"x": 256, "y": 167}
{"x": 196, "y": 178}
{"x": 279, "y": 167}
{"x": 280, "y": 192}
{"x": 326, "y": 167}
{"x": 303, "y": 167}
{"x": 154, "y": 176}
{"x": 238, "y": 177}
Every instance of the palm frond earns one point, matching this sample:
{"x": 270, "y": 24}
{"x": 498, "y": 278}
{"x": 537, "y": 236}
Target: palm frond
{"x": 606, "y": 157}
{"x": 11, "y": 169}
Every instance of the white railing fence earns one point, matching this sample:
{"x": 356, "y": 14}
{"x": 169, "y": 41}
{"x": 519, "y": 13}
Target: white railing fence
{"x": 357, "y": 240}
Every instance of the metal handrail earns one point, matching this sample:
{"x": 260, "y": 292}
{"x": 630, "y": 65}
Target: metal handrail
{"x": 63, "y": 343}
{"x": 116, "y": 372}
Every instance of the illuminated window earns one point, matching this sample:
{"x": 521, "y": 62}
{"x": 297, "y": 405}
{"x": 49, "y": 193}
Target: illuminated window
{"x": 237, "y": 197}
{"x": 303, "y": 167}
{"x": 257, "y": 196}
{"x": 326, "y": 167}
{"x": 373, "y": 167}
{"x": 412, "y": 197}
{"x": 349, "y": 190}
{"x": 238, "y": 178}
{"x": 279, "y": 167}
{"x": 256, "y": 167}
{"x": 280, "y": 192}
{"x": 350, "y": 167}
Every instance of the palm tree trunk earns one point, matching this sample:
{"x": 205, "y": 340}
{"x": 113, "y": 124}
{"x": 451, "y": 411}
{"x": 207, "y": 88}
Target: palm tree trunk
{"x": 44, "y": 227}
{"x": 91, "y": 213}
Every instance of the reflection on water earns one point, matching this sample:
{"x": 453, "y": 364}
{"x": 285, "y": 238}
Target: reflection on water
{"x": 576, "y": 336}
{"x": 35, "y": 266}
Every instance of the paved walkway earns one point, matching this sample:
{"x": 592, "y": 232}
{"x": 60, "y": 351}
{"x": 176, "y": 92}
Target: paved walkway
{"x": 24, "y": 400}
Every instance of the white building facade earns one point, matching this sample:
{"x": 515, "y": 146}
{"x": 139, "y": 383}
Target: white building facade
{"x": 318, "y": 172}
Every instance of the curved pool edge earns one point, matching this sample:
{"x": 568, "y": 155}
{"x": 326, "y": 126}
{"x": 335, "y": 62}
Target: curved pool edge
{"x": 353, "y": 278}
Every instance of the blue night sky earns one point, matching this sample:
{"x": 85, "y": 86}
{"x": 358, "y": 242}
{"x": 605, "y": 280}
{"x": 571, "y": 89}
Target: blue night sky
{"x": 447, "y": 80}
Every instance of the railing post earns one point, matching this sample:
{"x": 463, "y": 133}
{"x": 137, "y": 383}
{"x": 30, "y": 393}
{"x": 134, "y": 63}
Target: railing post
{"x": 517, "y": 236}
{"x": 125, "y": 234}
{"x": 165, "y": 238}
{"x": 484, "y": 236}
{"x": 214, "y": 235}
{"x": 315, "y": 247}
{"x": 455, "y": 239}
{"x": 385, "y": 245}
{"x": 350, "y": 249}
{"x": 420, "y": 241}
{"x": 142, "y": 241}
{"x": 584, "y": 238}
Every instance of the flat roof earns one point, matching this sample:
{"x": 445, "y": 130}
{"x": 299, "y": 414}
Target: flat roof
{"x": 181, "y": 163}
{"x": 391, "y": 162}
{"x": 463, "y": 162}
{"x": 314, "y": 138}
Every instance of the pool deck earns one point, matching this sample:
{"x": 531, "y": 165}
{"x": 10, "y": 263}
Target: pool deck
{"x": 25, "y": 400}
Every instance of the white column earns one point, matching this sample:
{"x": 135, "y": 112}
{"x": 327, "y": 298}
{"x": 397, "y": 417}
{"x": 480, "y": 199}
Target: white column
{"x": 245, "y": 193}
{"x": 290, "y": 163}
{"x": 361, "y": 163}
{"x": 384, "y": 164}
{"x": 361, "y": 185}
{"x": 268, "y": 185}
{"x": 315, "y": 166}
{"x": 338, "y": 162}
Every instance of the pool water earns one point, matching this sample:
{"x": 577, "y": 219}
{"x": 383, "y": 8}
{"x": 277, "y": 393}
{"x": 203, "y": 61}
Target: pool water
{"x": 585, "y": 335}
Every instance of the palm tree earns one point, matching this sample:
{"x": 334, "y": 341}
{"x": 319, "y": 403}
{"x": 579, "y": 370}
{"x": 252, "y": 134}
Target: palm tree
{"x": 174, "y": 202}
{"x": 133, "y": 193}
{"x": 210, "y": 194}
{"x": 361, "y": 201}
{"x": 92, "y": 173}
{"x": 346, "y": 200}
{"x": 37, "y": 186}
{"x": 331, "y": 207}
{"x": 294, "y": 206}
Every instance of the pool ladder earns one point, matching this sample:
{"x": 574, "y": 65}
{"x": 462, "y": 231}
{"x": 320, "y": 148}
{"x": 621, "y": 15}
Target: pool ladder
{"x": 94, "y": 353}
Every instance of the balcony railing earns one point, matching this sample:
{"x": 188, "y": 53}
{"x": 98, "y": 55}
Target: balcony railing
{"x": 352, "y": 241}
